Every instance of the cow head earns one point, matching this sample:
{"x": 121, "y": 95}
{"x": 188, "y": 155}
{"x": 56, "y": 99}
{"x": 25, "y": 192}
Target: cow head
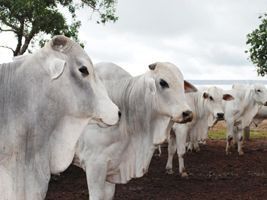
{"x": 260, "y": 94}
{"x": 213, "y": 101}
{"x": 168, "y": 85}
{"x": 74, "y": 82}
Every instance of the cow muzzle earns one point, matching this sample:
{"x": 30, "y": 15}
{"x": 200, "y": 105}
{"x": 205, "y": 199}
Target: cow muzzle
{"x": 187, "y": 116}
{"x": 220, "y": 116}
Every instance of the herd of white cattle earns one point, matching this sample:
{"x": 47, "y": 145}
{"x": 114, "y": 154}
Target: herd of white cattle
{"x": 57, "y": 108}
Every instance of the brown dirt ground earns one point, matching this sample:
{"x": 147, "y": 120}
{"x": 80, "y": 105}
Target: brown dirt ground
{"x": 212, "y": 176}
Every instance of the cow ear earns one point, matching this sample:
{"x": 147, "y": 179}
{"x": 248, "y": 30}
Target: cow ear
{"x": 55, "y": 67}
{"x": 152, "y": 66}
{"x": 205, "y": 95}
{"x": 152, "y": 85}
{"x": 59, "y": 43}
{"x": 188, "y": 87}
{"x": 228, "y": 97}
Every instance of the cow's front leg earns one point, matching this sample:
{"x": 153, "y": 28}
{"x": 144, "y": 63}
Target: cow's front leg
{"x": 229, "y": 137}
{"x": 196, "y": 146}
{"x": 171, "y": 152}
{"x": 109, "y": 190}
{"x": 229, "y": 140}
{"x": 240, "y": 142}
{"x": 96, "y": 173}
{"x": 181, "y": 149}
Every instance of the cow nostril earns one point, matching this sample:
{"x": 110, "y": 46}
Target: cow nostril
{"x": 119, "y": 114}
{"x": 220, "y": 115}
{"x": 187, "y": 114}
{"x": 265, "y": 103}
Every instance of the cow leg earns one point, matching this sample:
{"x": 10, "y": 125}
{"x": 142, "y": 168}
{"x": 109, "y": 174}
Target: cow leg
{"x": 159, "y": 151}
{"x": 229, "y": 137}
{"x": 195, "y": 141}
{"x": 96, "y": 179}
{"x": 240, "y": 142}
{"x": 196, "y": 146}
{"x": 171, "y": 152}
{"x": 190, "y": 146}
{"x": 181, "y": 149}
{"x": 109, "y": 191}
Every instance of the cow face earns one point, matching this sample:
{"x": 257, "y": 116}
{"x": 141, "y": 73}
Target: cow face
{"x": 169, "y": 87}
{"x": 213, "y": 101}
{"x": 260, "y": 94}
{"x": 76, "y": 84}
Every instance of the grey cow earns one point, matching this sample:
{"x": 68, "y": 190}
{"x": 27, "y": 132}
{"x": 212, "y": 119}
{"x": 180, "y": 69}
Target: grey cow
{"x": 46, "y": 100}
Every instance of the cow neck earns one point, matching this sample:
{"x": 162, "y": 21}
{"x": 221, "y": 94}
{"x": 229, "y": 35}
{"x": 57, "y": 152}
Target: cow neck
{"x": 249, "y": 108}
{"x": 200, "y": 105}
{"x": 141, "y": 124}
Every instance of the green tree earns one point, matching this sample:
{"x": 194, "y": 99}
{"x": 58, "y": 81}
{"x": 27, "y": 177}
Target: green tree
{"x": 257, "y": 41}
{"x": 31, "y": 20}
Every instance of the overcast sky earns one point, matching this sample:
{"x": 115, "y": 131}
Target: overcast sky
{"x": 206, "y": 39}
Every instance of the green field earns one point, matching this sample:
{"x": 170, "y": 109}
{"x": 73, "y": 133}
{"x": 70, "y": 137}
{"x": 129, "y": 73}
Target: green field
{"x": 220, "y": 134}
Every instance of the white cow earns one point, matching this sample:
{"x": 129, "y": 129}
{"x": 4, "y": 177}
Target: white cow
{"x": 240, "y": 112}
{"x": 46, "y": 99}
{"x": 203, "y": 103}
{"x": 149, "y": 104}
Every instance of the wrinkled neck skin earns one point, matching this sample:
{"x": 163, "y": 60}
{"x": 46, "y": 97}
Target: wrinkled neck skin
{"x": 249, "y": 109}
{"x": 198, "y": 105}
{"x": 140, "y": 123}
{"x": 197, "y": 129}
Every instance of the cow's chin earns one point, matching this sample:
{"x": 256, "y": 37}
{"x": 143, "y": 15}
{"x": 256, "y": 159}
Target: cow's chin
{"x": 182, "y": 120}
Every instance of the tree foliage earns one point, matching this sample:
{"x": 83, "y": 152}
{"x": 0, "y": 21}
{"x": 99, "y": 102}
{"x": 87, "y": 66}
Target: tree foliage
{"x": 31, "y": 20}
{"x": 257, "y": 41}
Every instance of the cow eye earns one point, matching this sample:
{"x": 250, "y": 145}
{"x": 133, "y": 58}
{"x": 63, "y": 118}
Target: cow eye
{"x": 84, "y": 71}
{"x": 163, "y": 84}
{"x": 211, "y": 98}
{"x": 258, "y": 90}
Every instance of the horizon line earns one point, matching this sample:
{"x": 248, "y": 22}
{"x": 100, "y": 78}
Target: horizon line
{"x": 226, "y": 82}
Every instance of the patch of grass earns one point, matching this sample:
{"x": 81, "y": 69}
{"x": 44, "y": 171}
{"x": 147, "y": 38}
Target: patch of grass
{"x": 217, "y": 134}
{"x": 221, "y": 134}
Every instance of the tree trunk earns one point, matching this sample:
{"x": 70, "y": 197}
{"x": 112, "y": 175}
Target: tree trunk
{"x": 25, "y": 46}
{"x": 17, "y": 50}
{"x": 19, "y": 36}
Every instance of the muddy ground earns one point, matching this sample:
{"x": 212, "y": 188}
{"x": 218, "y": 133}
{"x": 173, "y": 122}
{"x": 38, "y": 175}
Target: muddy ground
{"x": 212, "y": 176}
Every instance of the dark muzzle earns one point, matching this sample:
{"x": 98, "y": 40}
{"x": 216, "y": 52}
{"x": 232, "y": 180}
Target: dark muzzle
{"x": 187, "y": 116}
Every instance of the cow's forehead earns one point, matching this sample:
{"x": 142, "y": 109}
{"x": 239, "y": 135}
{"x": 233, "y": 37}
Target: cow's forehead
{"x": 169, "y": 71}
{"x": 259, "y": 86}
{"x": 215, "y": 92}
{"x": 81, "y": 57}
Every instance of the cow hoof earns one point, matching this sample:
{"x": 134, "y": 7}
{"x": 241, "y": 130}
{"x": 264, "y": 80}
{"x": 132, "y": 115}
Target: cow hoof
{"x": 228, "y": 153}
{"x": 169, "y": 171}
{"x": 184, "y": 175}
{"x": 241, "y": 153}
